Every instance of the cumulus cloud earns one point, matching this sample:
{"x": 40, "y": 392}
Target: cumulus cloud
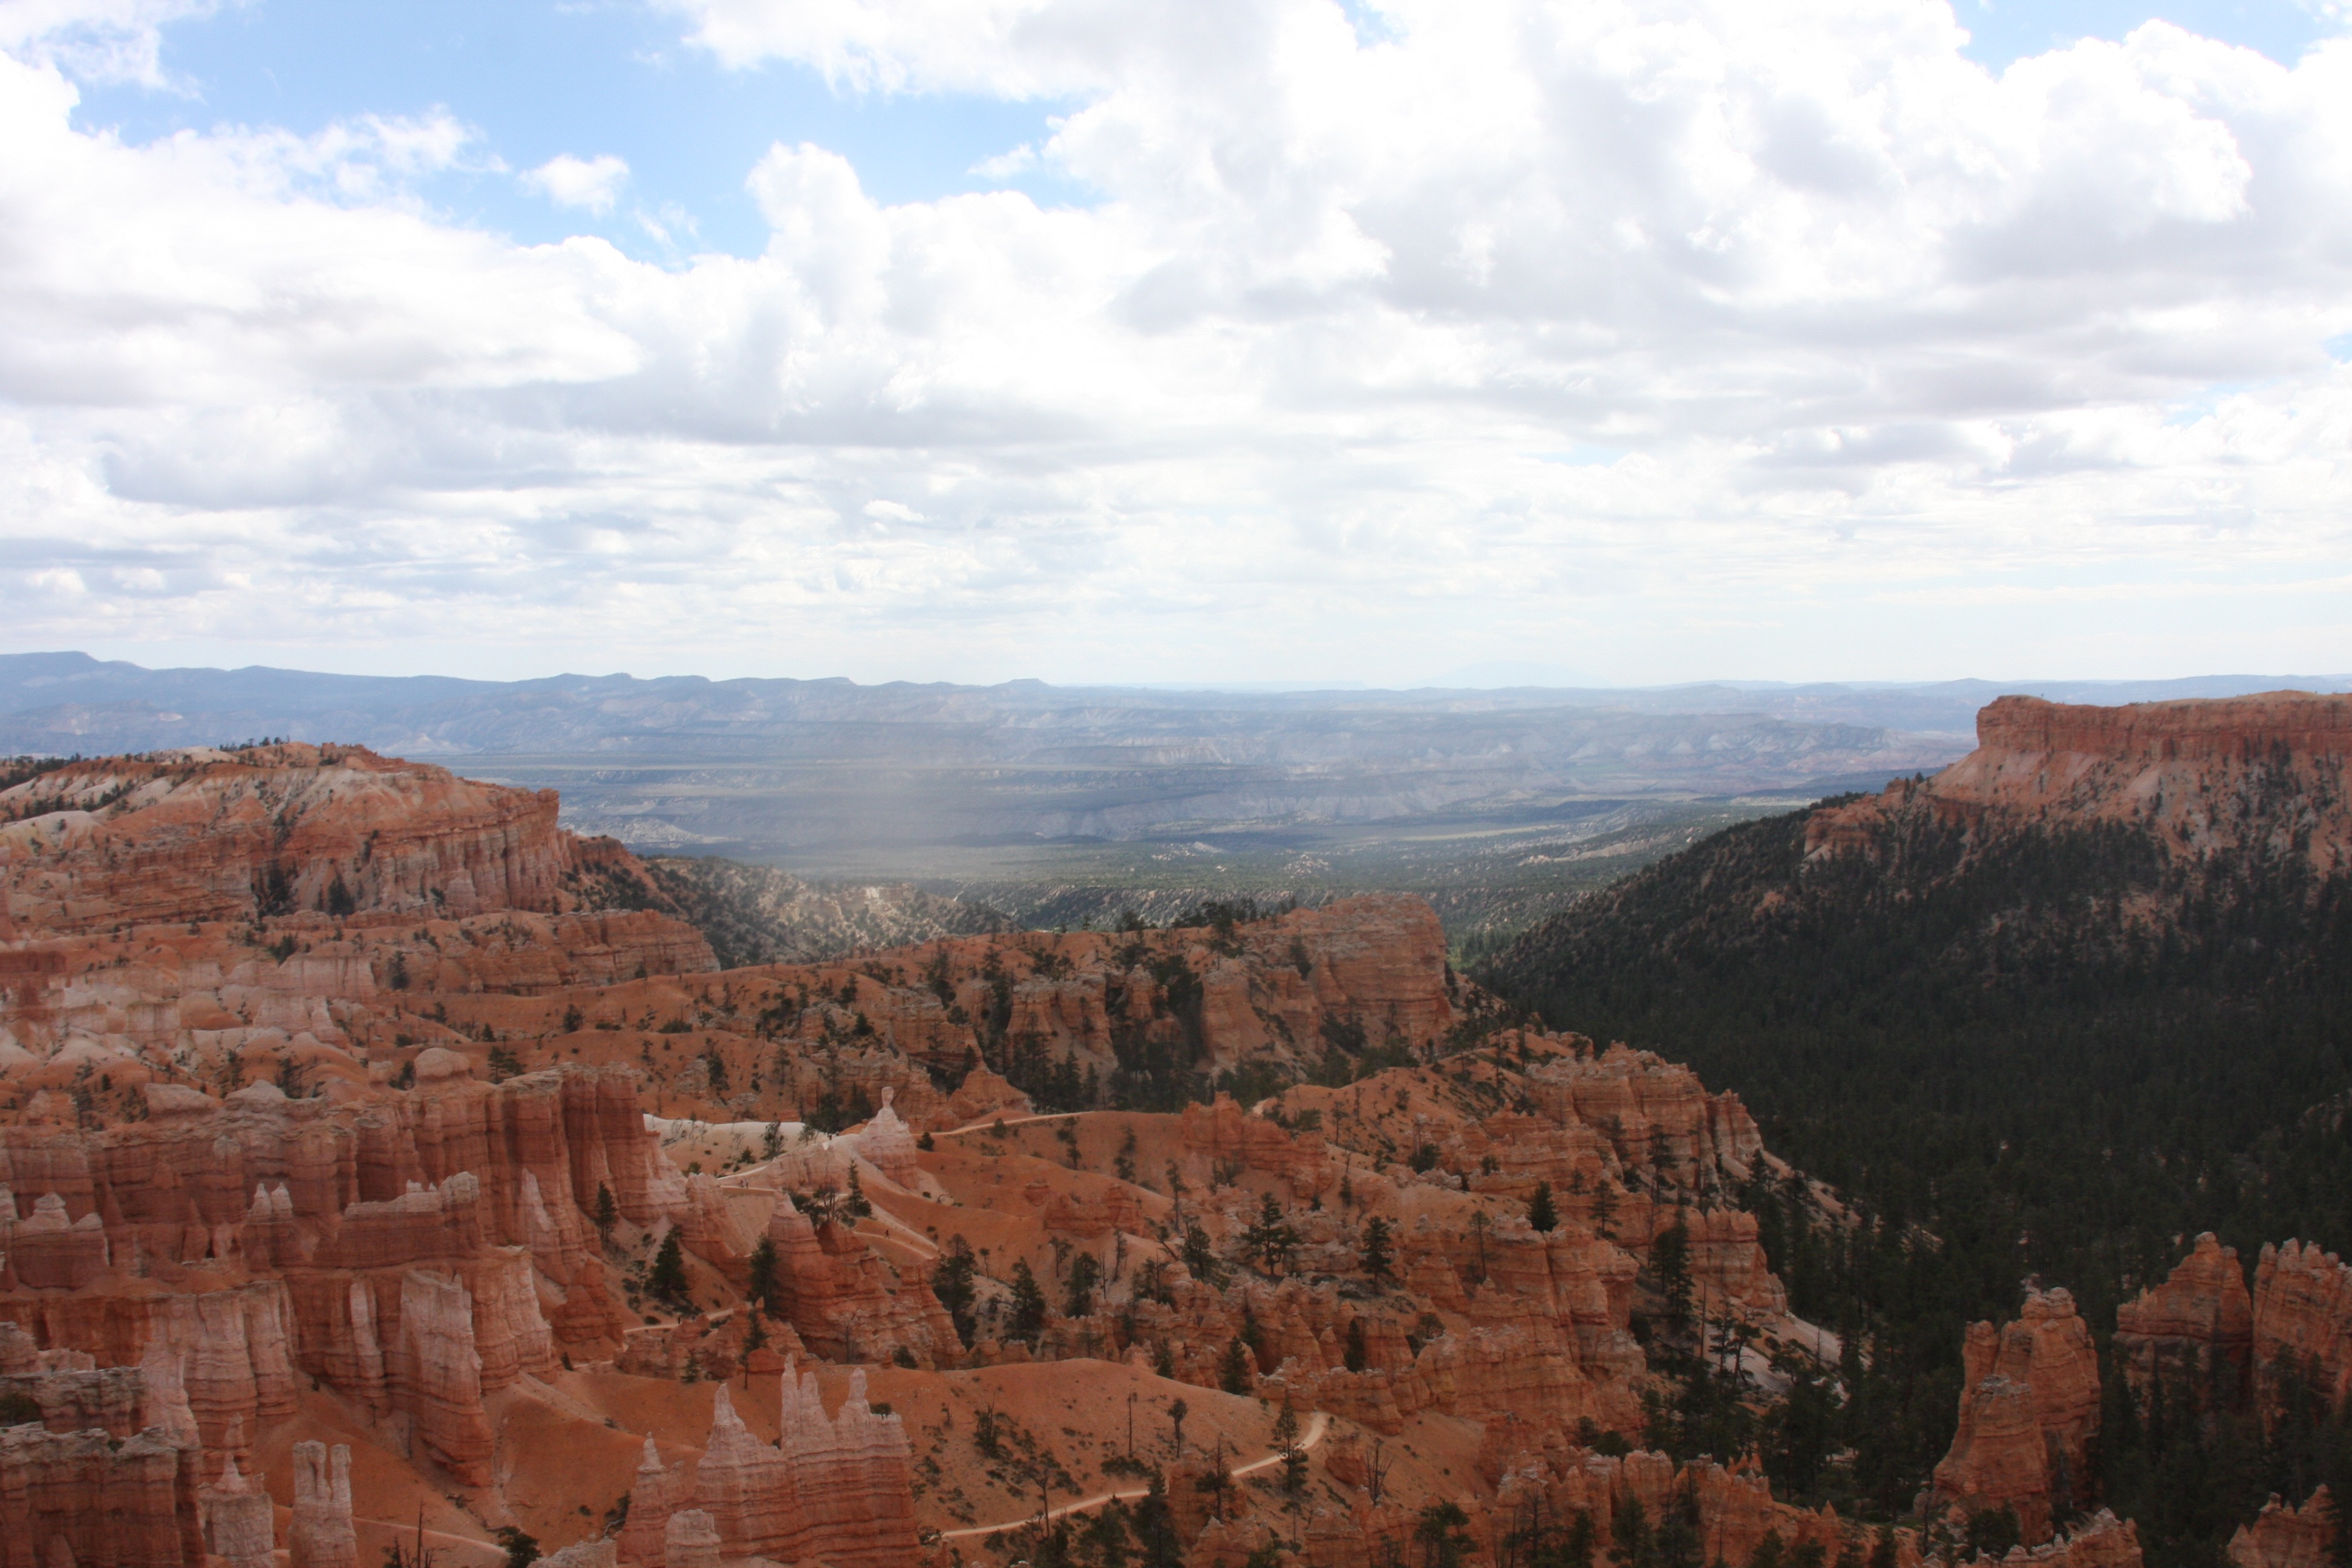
{"x": 592, "y": 184}
{"x": 1855, "y": 325}
{"x": 99, "y": 40}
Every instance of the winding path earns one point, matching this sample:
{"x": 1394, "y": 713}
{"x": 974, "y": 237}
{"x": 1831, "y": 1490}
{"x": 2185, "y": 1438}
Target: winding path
{"x": 1317, "y": 1424}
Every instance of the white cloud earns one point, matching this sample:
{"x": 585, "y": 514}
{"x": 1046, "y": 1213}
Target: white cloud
{"x": 1881, "y": 336}
{"x": 593, "y": 183}
{"x": 99, "y": 40}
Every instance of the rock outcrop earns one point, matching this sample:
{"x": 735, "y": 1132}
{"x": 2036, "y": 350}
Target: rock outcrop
{"x": 322, "y": 1535}
{"x": 2285, "y": 1536}
{"x": 2195, "y": 1331}
{"x": 2028, "y": 1412}
{"x": 2260, "y": 774}
{"x": 844, "y": 1300}
{"x": 836, "y": 1489}
{"x": 2303, "y": 1326}
{"x": 205, "y": 835}
{"x": 240, "y": 1524}
{"x": 83, "y": 1496}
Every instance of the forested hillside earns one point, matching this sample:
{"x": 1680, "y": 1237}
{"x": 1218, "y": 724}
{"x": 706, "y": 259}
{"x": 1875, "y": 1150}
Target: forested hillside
{"x": 2054, "y": 1041}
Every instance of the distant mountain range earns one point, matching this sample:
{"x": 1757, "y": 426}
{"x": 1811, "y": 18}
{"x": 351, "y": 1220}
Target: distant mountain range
{"x": 758, "y": 766}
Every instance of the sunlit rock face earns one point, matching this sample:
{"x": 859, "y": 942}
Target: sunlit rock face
{"x": 2264, "y": 775}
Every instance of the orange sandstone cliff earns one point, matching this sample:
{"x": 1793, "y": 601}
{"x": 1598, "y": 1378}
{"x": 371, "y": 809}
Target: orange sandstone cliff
{"x": 2263, "y": 774}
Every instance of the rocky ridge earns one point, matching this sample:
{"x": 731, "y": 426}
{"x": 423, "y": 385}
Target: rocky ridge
{"x": 2262, "y": 776}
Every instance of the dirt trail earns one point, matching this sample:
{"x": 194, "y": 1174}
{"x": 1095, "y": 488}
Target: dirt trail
{"x": 1317, "y": 1424}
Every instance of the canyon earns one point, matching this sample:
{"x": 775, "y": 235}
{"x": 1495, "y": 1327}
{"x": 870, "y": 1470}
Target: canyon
{"x": 381, "y": 1165}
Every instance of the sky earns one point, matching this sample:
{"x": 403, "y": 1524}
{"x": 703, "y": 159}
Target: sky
{"x": 1290, "y": 341}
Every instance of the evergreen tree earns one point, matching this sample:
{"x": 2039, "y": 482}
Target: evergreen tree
{"x": 1027, "y": 1317}
{"x": 1201, "y": 1258}
{"x": 763, "y": 1289}
{"x": 1443, "y": 1532}
{"x": 1271, "y": 1236}
{"x": 1629, "y": 1545}
{"x": 1234, "y": 1373}
{"x": 1377, "y": 1259}
{"x": 1541, "y": 1214}
{"x": 666, "y": 1279}
{"x": 608, "y": 1213}
{"x": 1155, "y": 1526}
{"x": 1085, "y": 1274}
{"x": 1670, "y": 1268}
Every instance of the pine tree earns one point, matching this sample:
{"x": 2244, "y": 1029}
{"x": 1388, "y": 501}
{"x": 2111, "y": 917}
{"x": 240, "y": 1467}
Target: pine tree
{"x": 1377, "y": 1259}
{"x": 667, "y": 1277}
{"x": 1085, "y": 1274}
{"x": 1027, "y": 1321}
{"x": 1541, "y": 1215}
{"x": 1271, "y": 1236}
{"x": 1670, "y": 1265}
{"x": 764, "y": 1275}
{"x": 1234, "y": 1374}
{"x": 608, "y": 1213}
{"x": 951, "y": 1283}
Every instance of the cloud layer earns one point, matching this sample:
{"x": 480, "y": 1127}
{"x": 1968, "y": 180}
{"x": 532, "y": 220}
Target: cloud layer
{"x": 1645, "y": 341}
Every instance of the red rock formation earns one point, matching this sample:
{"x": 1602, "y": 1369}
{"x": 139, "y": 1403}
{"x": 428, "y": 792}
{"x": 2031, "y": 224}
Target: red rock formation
{"x": 836, "y": 1489}
{"x": 239, "y": 1523}
{"x": 126, "y": 1502}
{"x": 884, "y": 1143}
{"x": 854, "y": 1473}
{"x": 657, "y": 1493}
{"x": 2196, "y": 1330}
{"x": 2283, "y": 1536}
{"x": 2029, "y": 1411}
{"x": 80, "y": 1398}
{"x": 2302, "y": 1325}
{"x": 435, "y": 1375}
{"x": 322, "y": 1535}
{"x": 49, "y": 1252}
{"x": 205, "y": 835}
{"x": 840, "y": 1296}
{"x": 2201, "y": 775}
{"x": 1222, "y": 1131}
{"x": 228, "y": 1348}
{"x": 690, "y": 1540}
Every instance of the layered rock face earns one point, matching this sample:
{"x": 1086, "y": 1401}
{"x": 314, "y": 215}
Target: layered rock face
{"x": 2251, "y": 774}
{"x": 2028, "y": 1412}
{"x": 2303, "y": 1326}
{"x": 845, "y": 1302}
{"x": 417, "y": 1303}
{"x": 2195, "y": 1332}
{"x": 321, "y": 1535}
{"x": 836, "y": 1489}
{"x": 205, "y": 834}
{"x": 83, "y": 1496}
{"x": 2283, "y": 1536}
